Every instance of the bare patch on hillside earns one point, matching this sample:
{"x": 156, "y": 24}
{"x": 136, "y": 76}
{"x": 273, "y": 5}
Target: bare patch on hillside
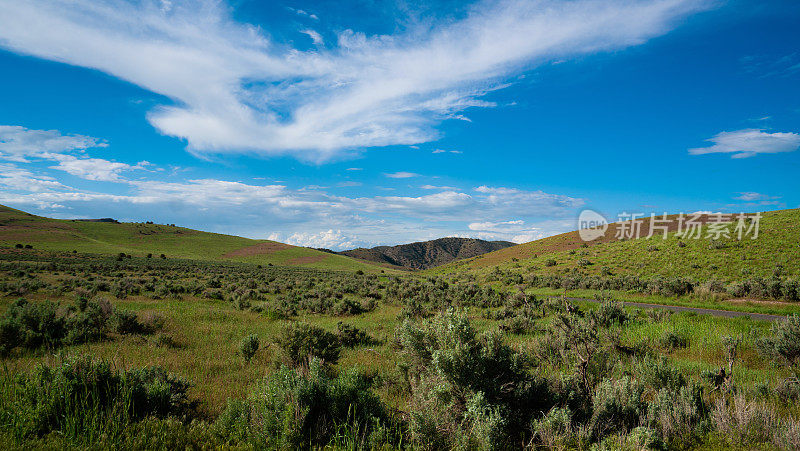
{"x": 267, "y": 247}
{"x": 305, "y": 260}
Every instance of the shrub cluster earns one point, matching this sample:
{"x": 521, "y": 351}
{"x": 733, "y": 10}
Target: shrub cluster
{"x": 81, "y": 399}
{"x": 46, "y": 324}
{"x": 307, "y": 408}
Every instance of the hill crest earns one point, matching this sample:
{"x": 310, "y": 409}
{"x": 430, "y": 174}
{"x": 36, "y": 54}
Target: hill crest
{"x": 428, "y": 254}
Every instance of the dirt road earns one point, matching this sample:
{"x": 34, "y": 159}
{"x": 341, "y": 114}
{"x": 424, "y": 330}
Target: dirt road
{"x": 701, "y": 311}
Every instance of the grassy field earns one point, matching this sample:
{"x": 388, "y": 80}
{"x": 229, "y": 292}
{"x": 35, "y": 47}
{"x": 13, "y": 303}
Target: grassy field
{"x": 246, "y": 344}
{"x": 140, "y": 239}
{"x": 202, "y": 311}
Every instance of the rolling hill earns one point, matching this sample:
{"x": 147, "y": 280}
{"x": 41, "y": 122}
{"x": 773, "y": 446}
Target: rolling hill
{"x": 775, "y": 251}
{"x": 428, "y": 254}
{"x": 108, "y": 237}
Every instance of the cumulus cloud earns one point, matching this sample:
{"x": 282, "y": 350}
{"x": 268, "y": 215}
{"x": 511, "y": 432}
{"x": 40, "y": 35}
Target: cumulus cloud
{"x": 23, "y": 145}
{"x": 749, "y": 142}
{"x": 294, "y": 215}
{"x": 18, "y": 143}
{"x": 92, "y": 168}
{"x": 15, "y": 178}
{"x": 326, "y": 239}
{"x": 513, "y": 230}
{"x": 234, "y": 89}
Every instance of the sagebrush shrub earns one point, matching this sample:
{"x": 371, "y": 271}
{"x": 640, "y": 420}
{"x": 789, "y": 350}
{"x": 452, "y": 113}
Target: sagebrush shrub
{"x": 448, "y": 365}
{"x": 554, "y": 430}
{"x": 678, "y": 414}
{"x": 294, "y": 409}
{"x": 31, "y": 325}
{"x": 126, "y": 322}
{"x": 348, "y": 306}
{"x": 673, "y": 340}
{"x": 611, "y": 313}
{"x": 617, "y": 406}
{"x": 350, "y": 336}
{"x": 783, "y": 344}
{"x": 745, "y": 422}
{"x": 300, "y": 341}
{"x": 84, "y": 399}
{"x": 248, "y": 347}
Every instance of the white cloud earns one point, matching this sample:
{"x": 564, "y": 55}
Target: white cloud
{"x": 355, "y": 169}
{"x": 21, "y": 144}
{"x": 448, "y": 188}
{"x": 235, "y": 90}
{"x": 439, "y": 151}
{"x": 295, "y": 214}
{"x": 516, "y": 200}
{"x": 329, "y": 239}
{"x": 401, "y": 175}
{"x": 92, "y": 168}
{"x": 15, "y": 178}
{"x": 750, "y": 196}
{"x": 514, "y": 230}
{"x": 315, "y": 36}
{"x": 749, "y": 142}
{"x": 18, "y": 143}
{"x": 497, "y": 226}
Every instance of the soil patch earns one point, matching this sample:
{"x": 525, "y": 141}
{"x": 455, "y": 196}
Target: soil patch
{"x": 267, "y": 247}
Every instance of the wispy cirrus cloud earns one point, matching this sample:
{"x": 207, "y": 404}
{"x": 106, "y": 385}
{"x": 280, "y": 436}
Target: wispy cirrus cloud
{"x": 750, "y": 196}
{"x": 235, "y": 89}
{"x": 749, "y": 142}
{"x": 401, "y": 175}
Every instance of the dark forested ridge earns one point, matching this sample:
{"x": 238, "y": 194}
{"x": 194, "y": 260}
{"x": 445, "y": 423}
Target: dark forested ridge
{"x": 427, "y": 254}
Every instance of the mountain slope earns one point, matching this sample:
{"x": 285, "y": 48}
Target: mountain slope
{"x": 427, "y": 254}
{"x": 139, "y": 239}
{"x": 775, "y": 251}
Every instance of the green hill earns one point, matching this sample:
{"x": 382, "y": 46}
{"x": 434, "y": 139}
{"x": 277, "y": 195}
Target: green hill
{"x": 139, "y": 239}
{"x": 776, "y": 251}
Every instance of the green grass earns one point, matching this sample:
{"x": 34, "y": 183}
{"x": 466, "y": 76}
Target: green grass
{"x": 139, "y": 239}
{"x": 209, "y": 332}
{"x": 778, "y": 244}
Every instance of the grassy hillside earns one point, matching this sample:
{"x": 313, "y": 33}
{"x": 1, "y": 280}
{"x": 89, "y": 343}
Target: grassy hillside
{"x": 139, "y": 239}
{"x": 776, "y": 251}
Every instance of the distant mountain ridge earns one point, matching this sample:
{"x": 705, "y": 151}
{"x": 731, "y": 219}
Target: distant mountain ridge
{"x": 427, "y": 254}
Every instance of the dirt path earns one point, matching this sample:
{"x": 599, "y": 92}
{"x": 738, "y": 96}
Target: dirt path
{"x": 702, "y": 311}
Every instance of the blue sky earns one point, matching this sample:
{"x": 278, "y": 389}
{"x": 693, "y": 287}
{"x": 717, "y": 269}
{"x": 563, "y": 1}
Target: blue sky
{"x": 356, "y": 123}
